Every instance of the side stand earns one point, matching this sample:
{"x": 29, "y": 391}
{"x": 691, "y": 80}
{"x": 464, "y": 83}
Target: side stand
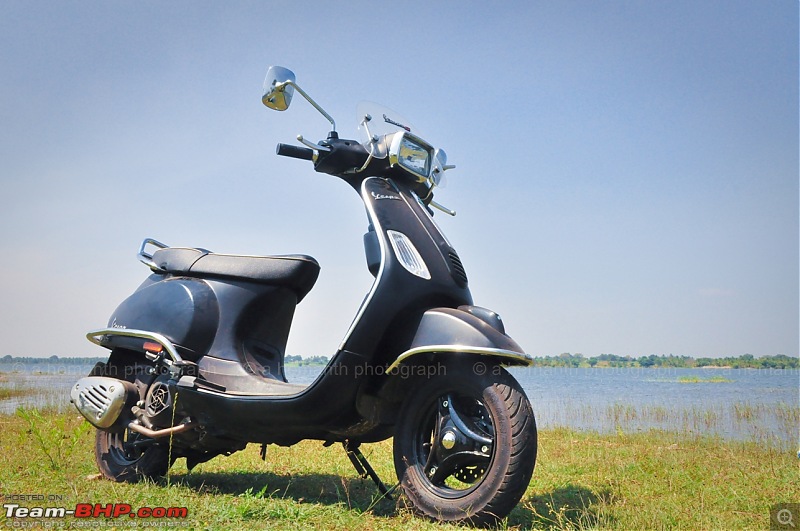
{"x": 364, "y": 469}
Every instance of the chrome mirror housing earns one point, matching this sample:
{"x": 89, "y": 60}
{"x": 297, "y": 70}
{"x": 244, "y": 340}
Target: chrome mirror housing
{"x": 439, "y": 167}
{"x": 439, "y": 164}
{"x": 278, "y": 88}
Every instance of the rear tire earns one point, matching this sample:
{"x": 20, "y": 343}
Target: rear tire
{"x": 119, "y": 460}
{"x": 488, "y": 424}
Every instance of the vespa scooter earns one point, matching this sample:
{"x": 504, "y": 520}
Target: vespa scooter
{"x": 196, "y": 367}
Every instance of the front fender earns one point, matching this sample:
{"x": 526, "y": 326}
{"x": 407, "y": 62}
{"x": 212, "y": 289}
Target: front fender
{"x": 467, "y": 330}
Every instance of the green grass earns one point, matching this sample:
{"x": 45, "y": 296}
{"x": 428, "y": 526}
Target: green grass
{"x": 650, "y": 480}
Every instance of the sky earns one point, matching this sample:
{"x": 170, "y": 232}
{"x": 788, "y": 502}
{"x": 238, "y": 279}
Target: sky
{"x": 626, "y": 180}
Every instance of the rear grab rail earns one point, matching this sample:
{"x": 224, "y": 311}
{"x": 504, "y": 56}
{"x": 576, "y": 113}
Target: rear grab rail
{"x": 147, "y": 258}
{"x": 98, "y": 336}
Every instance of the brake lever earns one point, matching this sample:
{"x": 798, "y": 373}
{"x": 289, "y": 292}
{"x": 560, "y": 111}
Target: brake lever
{"x": 312, "y": 145}
{"x": 443, "y": 208}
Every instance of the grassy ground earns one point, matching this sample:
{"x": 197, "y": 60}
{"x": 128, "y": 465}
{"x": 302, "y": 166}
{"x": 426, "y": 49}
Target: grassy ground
{"x": 653, "y": 480}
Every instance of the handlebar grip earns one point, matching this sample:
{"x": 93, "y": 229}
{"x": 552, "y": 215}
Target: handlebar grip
{"x": 297, "y": 152}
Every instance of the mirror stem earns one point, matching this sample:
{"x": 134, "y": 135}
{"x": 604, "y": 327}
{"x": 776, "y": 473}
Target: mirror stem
{"x": 309, "y": 100}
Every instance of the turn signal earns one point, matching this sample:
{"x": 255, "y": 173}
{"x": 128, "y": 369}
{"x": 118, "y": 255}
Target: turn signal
{"x": 149, "y": 346}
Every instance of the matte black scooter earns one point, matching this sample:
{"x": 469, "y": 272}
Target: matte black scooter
{"x": 196, "y": 364}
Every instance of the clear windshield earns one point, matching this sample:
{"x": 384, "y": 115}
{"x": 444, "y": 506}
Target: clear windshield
{"x": 375, "y": 133}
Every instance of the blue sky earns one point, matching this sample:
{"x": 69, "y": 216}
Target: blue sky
{"x": 626, "y": 182}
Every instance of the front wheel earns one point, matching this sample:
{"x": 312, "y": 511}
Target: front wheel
{"x": 465, "y": 446}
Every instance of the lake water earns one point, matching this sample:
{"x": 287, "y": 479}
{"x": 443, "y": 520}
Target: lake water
{"x": 746, "y": 404}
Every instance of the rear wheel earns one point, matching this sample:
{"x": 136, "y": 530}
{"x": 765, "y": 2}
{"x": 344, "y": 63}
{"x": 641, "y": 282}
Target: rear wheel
{"x": 129, "y": 457}
{"x": 126, "y": 455}
{"x": 465, "y": 446}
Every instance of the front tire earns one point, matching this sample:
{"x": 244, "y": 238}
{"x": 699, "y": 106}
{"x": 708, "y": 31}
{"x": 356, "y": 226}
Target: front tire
{"x": 465, "y": 446}
{"x": 119, "y": 459}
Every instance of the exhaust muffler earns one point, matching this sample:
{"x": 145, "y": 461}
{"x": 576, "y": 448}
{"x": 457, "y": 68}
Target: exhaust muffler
{"x": 101, "y": 399}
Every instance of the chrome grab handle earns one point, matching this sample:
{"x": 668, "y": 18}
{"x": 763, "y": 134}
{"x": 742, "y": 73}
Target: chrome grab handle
{"x": 97, "y": 336}
{"x": 147, "y": 259}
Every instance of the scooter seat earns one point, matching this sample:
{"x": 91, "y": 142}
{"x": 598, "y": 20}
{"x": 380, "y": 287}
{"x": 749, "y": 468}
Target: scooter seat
{"x": 295, "y": 271}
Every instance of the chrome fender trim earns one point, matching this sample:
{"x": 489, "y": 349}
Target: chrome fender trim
{"x": 506, "y": 357}
{"x": 462, "y": 331}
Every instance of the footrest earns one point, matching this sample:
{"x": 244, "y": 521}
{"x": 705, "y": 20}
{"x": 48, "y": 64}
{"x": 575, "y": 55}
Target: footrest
{"x": 193, "y": 382}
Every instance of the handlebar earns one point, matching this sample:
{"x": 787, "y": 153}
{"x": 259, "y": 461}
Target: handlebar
{"x": 297, "y": 152}
{"x": 350, "y": 161}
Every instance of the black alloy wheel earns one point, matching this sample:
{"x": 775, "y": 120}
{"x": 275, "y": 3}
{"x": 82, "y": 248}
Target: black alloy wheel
{"x": 465, "y": 446}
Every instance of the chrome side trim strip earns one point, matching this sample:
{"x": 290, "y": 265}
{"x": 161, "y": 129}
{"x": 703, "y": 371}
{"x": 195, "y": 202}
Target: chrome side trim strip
{"x": 514, "y": 358}
{"x": 373, "y": 218}
{"x": 97, "y": 336}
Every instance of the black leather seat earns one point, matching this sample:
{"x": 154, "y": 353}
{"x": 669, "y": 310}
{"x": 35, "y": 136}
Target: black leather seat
{"x": 296, "y": 271}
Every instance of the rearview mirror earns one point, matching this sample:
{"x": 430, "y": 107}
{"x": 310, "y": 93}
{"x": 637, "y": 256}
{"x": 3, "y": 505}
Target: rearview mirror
{"x": 278, "y": 88}
{"x": 439, "y": 167}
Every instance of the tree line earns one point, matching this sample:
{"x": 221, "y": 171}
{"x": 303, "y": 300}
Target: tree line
{"x": 311, "y": 360}
{"x": 745, "y": 361}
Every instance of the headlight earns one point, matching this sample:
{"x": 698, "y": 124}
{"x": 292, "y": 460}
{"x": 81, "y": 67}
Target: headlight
{"x": 412, "y": 154}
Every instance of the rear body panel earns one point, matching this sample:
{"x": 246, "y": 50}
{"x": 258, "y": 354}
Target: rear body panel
{"x": 241, "y": 322}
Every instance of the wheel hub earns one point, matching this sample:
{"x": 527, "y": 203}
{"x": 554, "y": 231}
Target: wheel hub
{"x": 462, "y": 443}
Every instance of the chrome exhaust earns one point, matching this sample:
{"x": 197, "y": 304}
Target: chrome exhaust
{"x": 101, "y": 399}
{"x": 156, "y": 434}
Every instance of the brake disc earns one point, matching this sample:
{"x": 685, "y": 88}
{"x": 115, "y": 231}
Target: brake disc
{"x": 469, "y": 474}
